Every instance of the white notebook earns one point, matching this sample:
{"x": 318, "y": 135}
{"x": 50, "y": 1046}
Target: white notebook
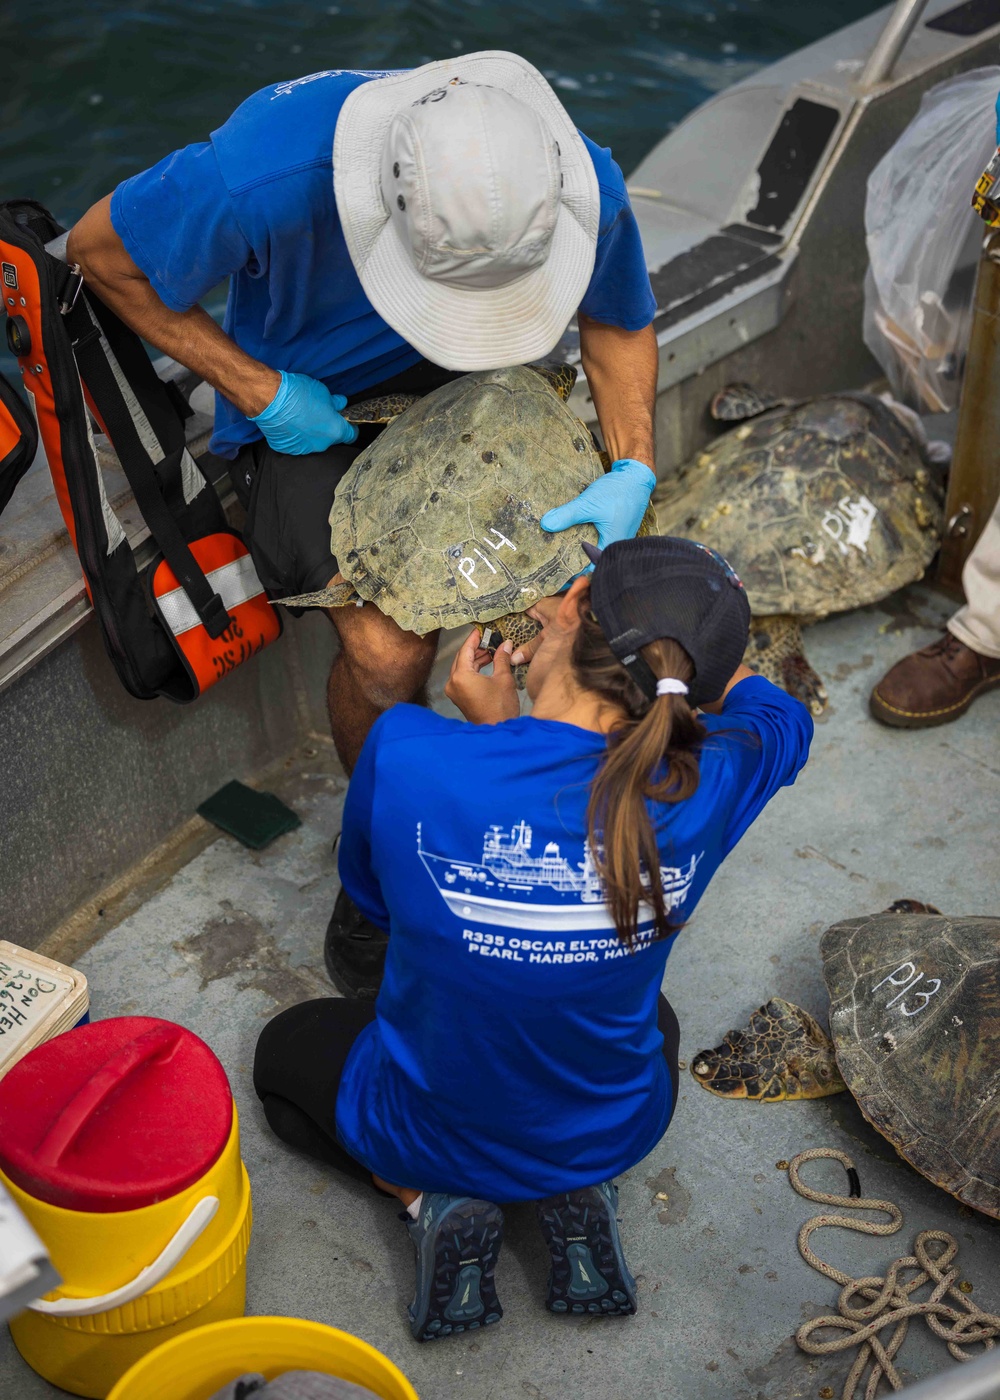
{"x": 39, "y": 998}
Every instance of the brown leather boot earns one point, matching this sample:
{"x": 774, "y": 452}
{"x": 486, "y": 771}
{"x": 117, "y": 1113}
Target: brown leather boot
{"x": 934, "y": 685}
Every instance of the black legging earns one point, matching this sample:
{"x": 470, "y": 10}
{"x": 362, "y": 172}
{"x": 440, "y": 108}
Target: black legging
{"x": 300, "y": 1059}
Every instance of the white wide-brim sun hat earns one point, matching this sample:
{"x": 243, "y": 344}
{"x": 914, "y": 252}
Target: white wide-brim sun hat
{"x": 464, "y": 327}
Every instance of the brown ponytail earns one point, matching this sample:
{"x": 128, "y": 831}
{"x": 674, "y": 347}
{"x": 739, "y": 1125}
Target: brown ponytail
{"x": 652, "y": 757}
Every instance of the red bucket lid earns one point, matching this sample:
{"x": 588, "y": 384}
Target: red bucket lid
{"x": 115, "y": 1115}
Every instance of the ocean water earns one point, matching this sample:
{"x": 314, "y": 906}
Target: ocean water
{"x": 95, "y": 91}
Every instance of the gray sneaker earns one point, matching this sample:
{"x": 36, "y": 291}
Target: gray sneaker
{"x": 589, "y": 1273}
{"x": 457, "y": 1240}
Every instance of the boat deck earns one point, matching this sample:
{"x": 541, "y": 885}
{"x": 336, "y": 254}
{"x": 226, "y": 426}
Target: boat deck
{"x": 223, "y": 940}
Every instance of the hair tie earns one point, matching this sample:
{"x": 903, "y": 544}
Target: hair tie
{"x": 670, "y": 685}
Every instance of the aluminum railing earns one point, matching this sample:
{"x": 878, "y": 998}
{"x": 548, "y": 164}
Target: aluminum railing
{"x": 891, "y": 42}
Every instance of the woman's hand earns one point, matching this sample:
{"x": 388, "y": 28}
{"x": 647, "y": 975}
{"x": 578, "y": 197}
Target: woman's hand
{"x": 483, "y": 699}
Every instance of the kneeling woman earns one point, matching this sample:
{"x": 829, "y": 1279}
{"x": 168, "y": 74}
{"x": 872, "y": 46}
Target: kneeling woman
{"x": 520, "y": 1048}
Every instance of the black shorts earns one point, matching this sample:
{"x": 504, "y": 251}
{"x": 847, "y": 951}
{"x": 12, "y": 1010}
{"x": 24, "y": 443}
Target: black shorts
{"x": 288, "y": 498}
{"x": 300, "y": 1059}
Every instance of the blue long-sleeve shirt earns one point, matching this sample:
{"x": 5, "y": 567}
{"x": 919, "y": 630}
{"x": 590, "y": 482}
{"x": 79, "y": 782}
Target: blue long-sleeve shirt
{"x": 515, "y": 1052}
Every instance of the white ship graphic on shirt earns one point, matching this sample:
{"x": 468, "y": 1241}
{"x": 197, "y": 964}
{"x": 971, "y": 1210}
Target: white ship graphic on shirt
{"x": 515, "y": 888}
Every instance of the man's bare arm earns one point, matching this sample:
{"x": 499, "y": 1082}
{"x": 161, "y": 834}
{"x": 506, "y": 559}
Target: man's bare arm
{"x": 621, "y": 369}
{"x": 191, "y": 337}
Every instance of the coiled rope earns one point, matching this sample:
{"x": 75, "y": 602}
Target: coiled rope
{"x": 869, "y": 1306}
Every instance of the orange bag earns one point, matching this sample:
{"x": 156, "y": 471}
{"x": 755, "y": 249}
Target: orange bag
{"x": 198, "y": 609}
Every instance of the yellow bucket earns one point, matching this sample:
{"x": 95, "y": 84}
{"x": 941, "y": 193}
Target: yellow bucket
{"x": 197, "y": 1365}
{"x": 101, "y": 1253}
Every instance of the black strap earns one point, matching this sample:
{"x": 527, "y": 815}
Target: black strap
{"x": 639, "y": 669}
{"x": 68, "y": 283}
{"x": 180, "y": 404}
{"x": 99, "y": 377}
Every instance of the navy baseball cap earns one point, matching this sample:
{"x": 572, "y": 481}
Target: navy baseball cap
{"x": 658, "y": 586}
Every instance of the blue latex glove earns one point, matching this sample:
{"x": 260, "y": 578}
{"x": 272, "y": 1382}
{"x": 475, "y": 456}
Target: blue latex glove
{"x": 998, "y": 120}
{"x": 615, "y": 503}
{"x": 302, "y": 417}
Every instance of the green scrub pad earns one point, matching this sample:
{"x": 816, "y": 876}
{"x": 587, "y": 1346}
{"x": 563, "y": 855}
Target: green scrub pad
{"x": 255, "y": 818}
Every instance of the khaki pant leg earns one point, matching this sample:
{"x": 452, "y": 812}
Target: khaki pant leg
{"x": 978, "y": 623}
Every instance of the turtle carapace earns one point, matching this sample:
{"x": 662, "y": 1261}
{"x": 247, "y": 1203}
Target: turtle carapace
{"x": 437, "y": 521}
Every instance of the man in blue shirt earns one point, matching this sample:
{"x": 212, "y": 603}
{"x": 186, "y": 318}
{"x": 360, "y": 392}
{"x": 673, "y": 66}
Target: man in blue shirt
{"x": 460, "y": 225}
{"x": 465, "y": 223}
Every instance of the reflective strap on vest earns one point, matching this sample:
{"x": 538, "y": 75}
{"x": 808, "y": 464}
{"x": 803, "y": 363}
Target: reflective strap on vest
{"x": 230, "y": 574}
{"x": 235, "y": 583}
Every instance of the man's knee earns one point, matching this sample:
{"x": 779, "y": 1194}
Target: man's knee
{"x": 388, "y": 664}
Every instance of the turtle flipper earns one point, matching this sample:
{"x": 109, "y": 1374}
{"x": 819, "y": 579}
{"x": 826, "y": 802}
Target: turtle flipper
{"x": 648, "y": 525}
{"x": 382, "y": 409}
{"x": 558, "y": 376}
{"x": 738, "y": 402}
{"x": 338, "y": 595}
{"x": 776, "y": 651}
{"x": 783, "y": 1053}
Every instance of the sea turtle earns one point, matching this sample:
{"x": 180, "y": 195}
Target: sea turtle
{"x": 915, "y": 1019}
{"x": 915, "y": 1025}
{"x": 820, "y": 506}
{"x": 782, "y": 1052}
{"x": 437, "y": 520}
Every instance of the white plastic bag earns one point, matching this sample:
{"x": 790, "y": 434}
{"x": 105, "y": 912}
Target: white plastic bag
{"x": 924, "y": 240}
